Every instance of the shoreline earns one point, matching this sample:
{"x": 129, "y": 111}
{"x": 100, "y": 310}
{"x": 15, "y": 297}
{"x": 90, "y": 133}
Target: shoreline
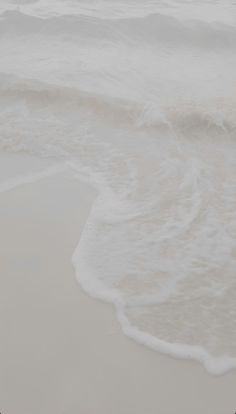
{"x": 61, "y": 350}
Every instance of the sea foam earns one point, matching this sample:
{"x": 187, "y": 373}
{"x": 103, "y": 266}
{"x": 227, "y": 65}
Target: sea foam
{"x": 139, "y": 101}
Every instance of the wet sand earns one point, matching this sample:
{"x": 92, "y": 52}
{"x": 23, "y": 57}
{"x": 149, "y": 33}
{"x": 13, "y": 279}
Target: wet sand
{"x": 62, "y": 351}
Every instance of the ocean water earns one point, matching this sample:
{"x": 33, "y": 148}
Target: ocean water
{"x": 138, "y": 98}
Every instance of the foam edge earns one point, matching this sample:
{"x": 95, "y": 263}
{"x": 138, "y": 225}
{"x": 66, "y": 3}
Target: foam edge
{"x": 94, "y": 288}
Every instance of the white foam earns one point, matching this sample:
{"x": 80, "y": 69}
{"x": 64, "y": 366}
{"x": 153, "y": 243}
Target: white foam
{"x": 93, "y": 287}
{"x": 142, "y": 107}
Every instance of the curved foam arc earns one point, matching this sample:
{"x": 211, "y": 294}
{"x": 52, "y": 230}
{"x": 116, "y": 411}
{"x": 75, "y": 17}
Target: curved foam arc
{"x": 96, "y": 289}
{"x": 143, "y": 109}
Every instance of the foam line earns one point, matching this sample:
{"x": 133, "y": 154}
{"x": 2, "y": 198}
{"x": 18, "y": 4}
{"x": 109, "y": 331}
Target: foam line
{"x": 12, "y": 183}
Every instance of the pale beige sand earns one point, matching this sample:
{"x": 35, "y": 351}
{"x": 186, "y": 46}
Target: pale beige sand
{"x": 62, "y": 351}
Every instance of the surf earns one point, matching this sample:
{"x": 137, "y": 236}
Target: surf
{"x": 142, "y": 107}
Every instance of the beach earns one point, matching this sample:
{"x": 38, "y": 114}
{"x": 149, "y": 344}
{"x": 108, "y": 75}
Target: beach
{"x": 117, "y": 207}
{"x": 61, "y": 350}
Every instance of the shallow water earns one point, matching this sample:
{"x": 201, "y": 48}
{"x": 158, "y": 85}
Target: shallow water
{"x": 138, "y": 99}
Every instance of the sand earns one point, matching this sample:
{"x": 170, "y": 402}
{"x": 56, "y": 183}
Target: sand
{"x": 62, "y": 351}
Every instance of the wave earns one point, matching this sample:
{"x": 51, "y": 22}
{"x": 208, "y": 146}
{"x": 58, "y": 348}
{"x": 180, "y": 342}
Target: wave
{"x": 156, "y": 28}
{"x": 217, "y": 115}
{"x": 144, "y": 110}
{"x": 209, "y": 12}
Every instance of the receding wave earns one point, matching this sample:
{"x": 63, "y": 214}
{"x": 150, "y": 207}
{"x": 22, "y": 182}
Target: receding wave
{"x": 143, "y": 109}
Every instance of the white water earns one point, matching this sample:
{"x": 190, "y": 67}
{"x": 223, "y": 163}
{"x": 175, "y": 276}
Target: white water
{"x": 138, "y": 98}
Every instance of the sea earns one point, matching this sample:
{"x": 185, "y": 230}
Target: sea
{"x": 138, "y": 99}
